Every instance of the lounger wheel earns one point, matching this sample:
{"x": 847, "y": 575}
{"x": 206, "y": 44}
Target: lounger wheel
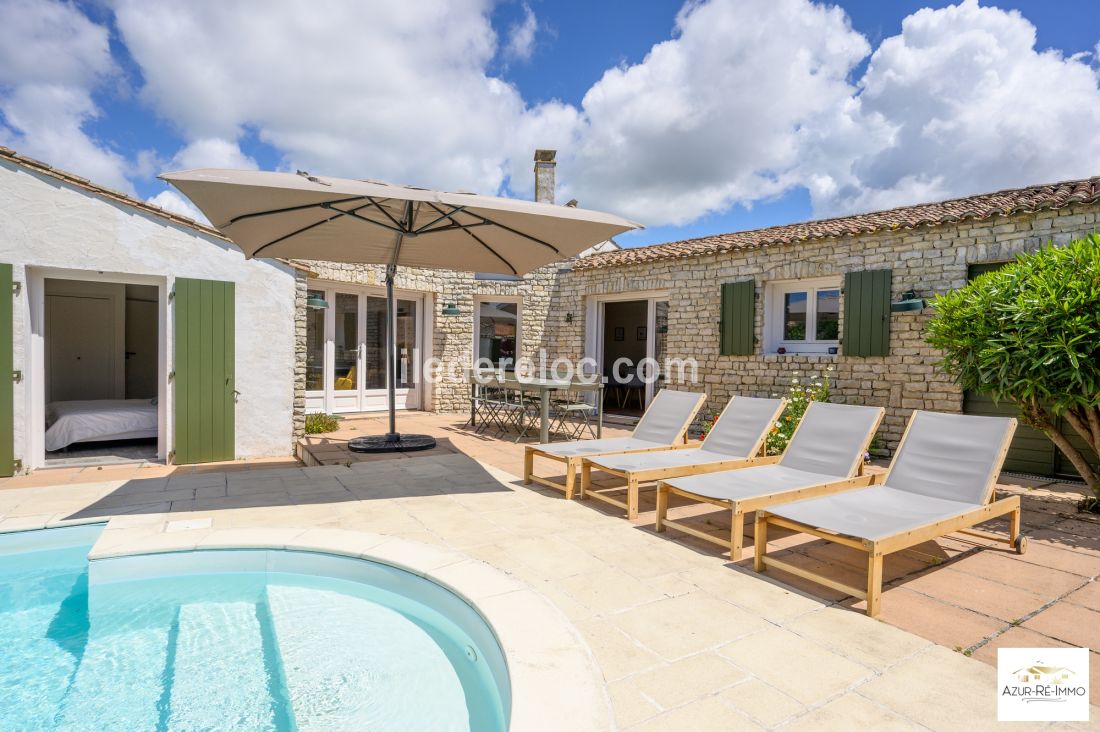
{"x": 1020, "y": 544}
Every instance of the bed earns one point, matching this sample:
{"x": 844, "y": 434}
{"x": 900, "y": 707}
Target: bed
{"x": 99, "y": 419}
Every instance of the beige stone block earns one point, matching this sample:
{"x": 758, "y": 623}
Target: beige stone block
{"x": 765, "y": 704}
{"x": 688, "y": 679}
{"x": 795, "y": 665}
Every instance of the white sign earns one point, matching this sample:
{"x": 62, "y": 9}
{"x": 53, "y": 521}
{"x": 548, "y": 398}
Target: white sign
{"x": 1043, "y": 684}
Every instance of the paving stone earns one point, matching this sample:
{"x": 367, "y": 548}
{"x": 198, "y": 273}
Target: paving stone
{"x": 687, "y": 679}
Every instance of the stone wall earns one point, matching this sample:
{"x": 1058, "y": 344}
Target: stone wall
{"x": 928, "y": 260}
{"x": 452, "y": 337}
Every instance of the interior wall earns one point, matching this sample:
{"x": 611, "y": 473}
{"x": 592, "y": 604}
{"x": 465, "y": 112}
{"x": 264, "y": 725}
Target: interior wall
{"x": 142, "y": 324}
{"x": 85, "y": 340}
{"x": 628, "y": 315}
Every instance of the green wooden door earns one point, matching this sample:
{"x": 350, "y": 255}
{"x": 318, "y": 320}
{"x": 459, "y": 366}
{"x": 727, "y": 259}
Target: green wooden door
{"x": 7, "y": 402}
{"x": 1031, "y": 451}
{"x": 204, "y": 371}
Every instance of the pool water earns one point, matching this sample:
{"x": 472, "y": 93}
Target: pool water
{"x": 250, "y": 640}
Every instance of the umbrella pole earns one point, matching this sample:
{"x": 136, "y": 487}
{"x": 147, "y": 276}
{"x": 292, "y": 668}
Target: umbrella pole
{"x": 391, "y": 352}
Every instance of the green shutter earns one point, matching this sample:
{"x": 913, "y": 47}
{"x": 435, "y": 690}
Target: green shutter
{"x": 204, "y": 371}
{"x": 738, "y": 318}
{"x": 7, "y": 412}
{"x": 867, "y": 313}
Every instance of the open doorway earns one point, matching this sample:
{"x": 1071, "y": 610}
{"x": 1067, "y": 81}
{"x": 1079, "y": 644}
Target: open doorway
{"x": 100, "y": 368}
{"x": 631, "y": 333}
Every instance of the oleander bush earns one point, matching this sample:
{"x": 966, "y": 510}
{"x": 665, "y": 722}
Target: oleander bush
{"x": 1029, "y": 333}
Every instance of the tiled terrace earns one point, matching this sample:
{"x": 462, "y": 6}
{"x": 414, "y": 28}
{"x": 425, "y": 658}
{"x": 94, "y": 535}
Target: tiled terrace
{"x": 683, "y": 638}
{"x": 950, "y": 591}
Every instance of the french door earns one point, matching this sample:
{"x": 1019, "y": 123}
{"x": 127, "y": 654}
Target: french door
{"x": 631, "y": 326}
{"x": 346, "y": 359}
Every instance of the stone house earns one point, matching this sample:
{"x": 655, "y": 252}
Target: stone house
{"x": 758, "y": 309}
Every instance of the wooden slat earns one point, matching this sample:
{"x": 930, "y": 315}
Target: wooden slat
{"x": 815, "y": 577}
{"x": 204, "y": 366}
{"x": 7, "y": 397}
{"x": 737, "y": 321}
{"x": 867, "y": 313}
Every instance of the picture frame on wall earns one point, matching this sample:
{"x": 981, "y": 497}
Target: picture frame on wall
{"x": 642, "y": 332}
{"x": 620, "y": 333}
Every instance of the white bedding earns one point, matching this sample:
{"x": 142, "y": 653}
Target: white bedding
{"x": 99, "y": 419}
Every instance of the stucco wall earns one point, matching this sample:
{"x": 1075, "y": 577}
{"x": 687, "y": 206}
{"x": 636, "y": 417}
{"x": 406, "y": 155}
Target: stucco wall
{"x": 46, "y": 223}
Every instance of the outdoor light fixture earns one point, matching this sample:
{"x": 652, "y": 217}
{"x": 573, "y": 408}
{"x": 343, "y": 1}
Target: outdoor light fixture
{"x": 316, "y": 302}
{"x": 909, "y": 301}
{"x": 450, "y": 308}
{"x": 569, "y": 317}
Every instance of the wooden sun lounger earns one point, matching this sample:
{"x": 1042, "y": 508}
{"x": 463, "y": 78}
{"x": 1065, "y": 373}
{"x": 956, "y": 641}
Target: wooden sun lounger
{"x": 735, "y": 441}
{"x": 941, "y": 480}
{"x": 663, "y": 427}
{"x": 825, "y": 455}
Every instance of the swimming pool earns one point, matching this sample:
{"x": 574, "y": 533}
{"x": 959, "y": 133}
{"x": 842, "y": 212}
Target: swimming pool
{"x": 235, "y": 639}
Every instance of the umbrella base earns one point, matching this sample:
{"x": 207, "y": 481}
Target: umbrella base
{"x": 391, "y": 443}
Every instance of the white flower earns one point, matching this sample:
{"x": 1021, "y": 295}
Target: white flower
{"x": 794, "y": 381}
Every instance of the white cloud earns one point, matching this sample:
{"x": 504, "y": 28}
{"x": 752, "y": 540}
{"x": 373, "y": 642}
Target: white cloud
{"x": 171, "y": 201}
{"x": 51, "y": 58}
{"x": 711, "y": 117}
{"x": 399, "y": 93}
{"x": 747, "y": 100}
{"x": 212, "y": 152}
{"x": 521, "y": 37}
{"x": 960, "y": 102}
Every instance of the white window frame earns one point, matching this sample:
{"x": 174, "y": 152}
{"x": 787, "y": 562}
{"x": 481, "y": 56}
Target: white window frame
{"x": 773, "y": 315}
{"x": 478, "y": 300}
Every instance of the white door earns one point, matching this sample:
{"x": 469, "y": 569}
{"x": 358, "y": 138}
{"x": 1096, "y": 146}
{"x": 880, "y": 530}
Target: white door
{"x": 80, "y": 343}
{"x": 346, "y": 362}
{"x": 635, "y": 328}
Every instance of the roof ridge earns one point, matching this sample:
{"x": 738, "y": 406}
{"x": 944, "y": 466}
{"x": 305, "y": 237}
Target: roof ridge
{"x": 6, "y": 153}
{"x": 934, "y": 213}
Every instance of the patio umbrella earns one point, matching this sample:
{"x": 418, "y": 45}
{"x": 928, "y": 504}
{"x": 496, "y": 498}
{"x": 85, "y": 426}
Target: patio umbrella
{"x": 302, "y": 216}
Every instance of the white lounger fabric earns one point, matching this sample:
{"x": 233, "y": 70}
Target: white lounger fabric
{"x": 99, "y": 419}
{"x": 829, "y": 440}
{"x": 762, "y": 480}
{"x": 943, "y": 469}
{"x": 733, "y": 437}
{"x": 581, "y": 448}
{"x": 667, "y": 416}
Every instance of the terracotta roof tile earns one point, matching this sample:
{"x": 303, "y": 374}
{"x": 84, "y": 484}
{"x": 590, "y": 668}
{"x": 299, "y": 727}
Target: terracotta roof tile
{"x": 983, "y": 206}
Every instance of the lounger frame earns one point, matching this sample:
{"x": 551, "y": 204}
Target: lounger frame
{"x": 876, "y": 550}
{"x": 573, "y": 463}
{"x": 738, "y": 508}
{"x": 634, "y": 478}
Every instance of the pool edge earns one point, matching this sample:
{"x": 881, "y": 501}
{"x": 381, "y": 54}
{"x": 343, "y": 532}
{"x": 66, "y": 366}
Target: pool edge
{"x": 545, "y": 668}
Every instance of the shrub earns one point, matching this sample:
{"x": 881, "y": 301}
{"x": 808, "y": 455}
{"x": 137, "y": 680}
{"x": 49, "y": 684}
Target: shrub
{"x": 1029, "y": 333}
{"x": 318, "y": 423}
{"x": 799, "y": 396}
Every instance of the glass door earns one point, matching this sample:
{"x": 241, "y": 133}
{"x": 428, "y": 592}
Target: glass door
{"x": 375, "y": 358}
{"x": 345, "y": 340}
{"x": 346, "y": 351}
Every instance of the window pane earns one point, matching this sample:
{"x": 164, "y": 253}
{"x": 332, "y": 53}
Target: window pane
{"x": 374, "y": 350}
{"x": 794, "y": 316}
{"x": 406, "y": 343}
{"x": 498, "y": 325}
{"x": 346, "y": 337}
{"x": 315, "y": 344}
{"x": 828, "y": 315}
{"x": 375, "y": 356}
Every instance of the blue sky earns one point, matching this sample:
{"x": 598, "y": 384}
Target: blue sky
{"x": 748, "y": 113}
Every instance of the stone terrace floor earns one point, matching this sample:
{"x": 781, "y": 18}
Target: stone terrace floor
{"x": 951, "y": 591}
{"x": 684, "y": 638}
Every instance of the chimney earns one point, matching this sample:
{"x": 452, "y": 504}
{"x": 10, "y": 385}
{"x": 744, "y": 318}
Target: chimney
{"x": 544, "y": 175}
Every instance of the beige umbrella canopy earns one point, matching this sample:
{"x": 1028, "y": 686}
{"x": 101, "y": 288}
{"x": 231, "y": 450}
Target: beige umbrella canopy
{"x": 302, "y": 216}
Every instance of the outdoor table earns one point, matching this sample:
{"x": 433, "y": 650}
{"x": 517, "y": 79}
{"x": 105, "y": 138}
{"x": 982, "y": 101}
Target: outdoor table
{"x": 545, "y": 387}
